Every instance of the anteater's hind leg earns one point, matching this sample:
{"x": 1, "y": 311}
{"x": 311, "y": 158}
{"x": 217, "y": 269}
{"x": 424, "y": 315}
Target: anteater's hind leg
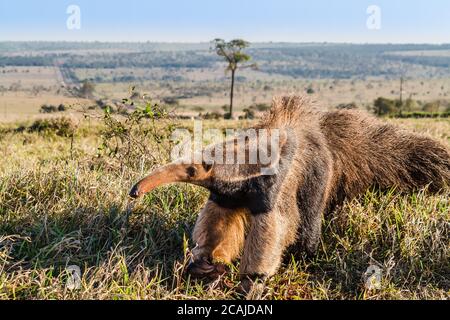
{"x": 219, "y": 236}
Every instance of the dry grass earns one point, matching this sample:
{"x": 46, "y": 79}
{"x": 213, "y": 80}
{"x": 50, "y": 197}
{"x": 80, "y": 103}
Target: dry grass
{"x": 62, "y": 206}
{"x": 209, "y": 88}
{"x": 22, "y": 105}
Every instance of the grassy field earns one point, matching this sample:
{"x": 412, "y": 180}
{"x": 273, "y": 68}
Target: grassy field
{"x": 23, "y": 90}
{"x": 210, "y": 88}
{"x": 63, "y": 202}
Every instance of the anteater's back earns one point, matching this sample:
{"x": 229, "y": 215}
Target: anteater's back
{"x": 368, "y": 152}
{"x": 365, "y": 151}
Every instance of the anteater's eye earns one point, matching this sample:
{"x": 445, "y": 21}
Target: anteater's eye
{"x": 191, "y": 171}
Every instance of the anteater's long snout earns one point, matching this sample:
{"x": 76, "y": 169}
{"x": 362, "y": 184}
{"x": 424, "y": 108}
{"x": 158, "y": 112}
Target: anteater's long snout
{"x": 171, "y": 173}
{"x": 164, "y": 175}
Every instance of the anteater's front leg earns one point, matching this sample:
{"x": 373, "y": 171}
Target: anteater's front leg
{"x": 219, "y": 236}
{"x": 264, "y": 246}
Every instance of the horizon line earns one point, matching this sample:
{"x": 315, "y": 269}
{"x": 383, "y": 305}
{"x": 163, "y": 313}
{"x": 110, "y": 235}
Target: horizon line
{"x": 251, "y": 42}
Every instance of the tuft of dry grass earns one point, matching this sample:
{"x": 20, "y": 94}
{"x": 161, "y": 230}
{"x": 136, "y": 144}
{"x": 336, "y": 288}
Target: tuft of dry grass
{"x": 63, "y": 205}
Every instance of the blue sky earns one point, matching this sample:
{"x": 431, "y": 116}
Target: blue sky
{"x": 402, "y": 21}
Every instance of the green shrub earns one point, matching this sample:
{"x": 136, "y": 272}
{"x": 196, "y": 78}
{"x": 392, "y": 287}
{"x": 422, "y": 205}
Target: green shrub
{"x": 212, "y": 116}
{"x": 310, "y": 90}
{"x": 249, "y": 113}
{"x": 136, "y": 138}
{"x": 171, "y": 101}
{"x": 346, "y": 106}
{"x": 384, "y": 106}
{"x": 45, "y": 108}
{"x": 63, "y": 127}
{"x": 431, "y": 106}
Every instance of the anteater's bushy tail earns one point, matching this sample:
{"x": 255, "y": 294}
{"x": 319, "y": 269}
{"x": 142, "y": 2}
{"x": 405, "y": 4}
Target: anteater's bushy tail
{"x": 427, "y": 162}
{"x": 369, "y": 152}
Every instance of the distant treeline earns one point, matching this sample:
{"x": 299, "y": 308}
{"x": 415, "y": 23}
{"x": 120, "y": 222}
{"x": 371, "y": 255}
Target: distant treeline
{"x": 433, "y": 61}
{"x": 349, "y": 61}
{"x": 422, "y": 115}
{"x": 115, "y": 60}
{"x": 27, "y": 46}
{"x": 27, "y": 61}
{"x": 410, "y": 108}
{"x": 312, "y": 61}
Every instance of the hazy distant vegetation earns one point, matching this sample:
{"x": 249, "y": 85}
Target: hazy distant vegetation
{"x": 339, "y": 61}
{"x": 191, "y": 79}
